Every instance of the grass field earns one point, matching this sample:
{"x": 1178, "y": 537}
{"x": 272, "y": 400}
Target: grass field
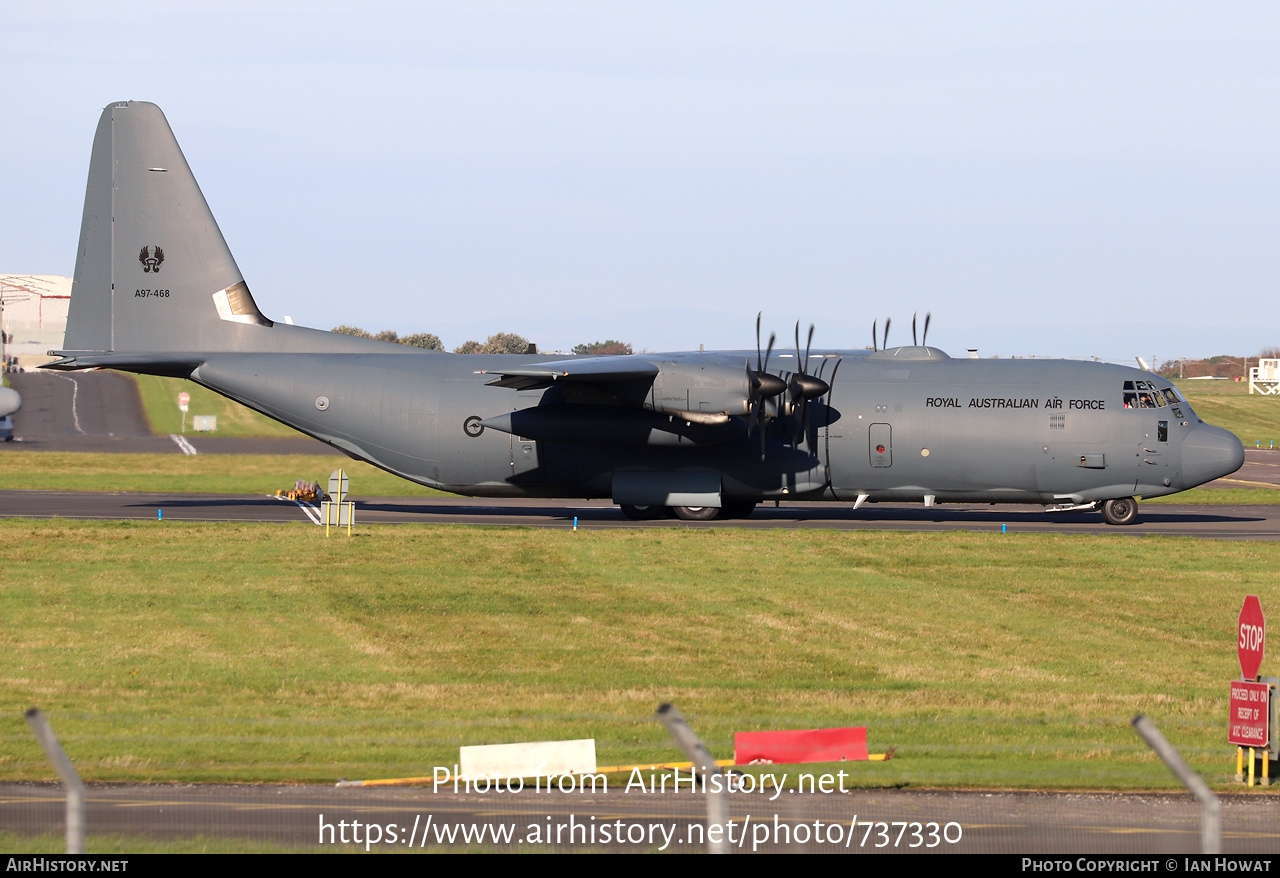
{"x": 200, "y": 474}
{"x": 103, "y": 844}
{"x": 1222, "y": 497}
{"x": 1254, "y": 418}
{"x": 160, "y": 400}
{"x": 227, "y": 652}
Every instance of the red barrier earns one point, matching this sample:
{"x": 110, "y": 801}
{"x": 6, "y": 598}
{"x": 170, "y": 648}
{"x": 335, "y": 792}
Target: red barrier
{"x": 805, "y": 745}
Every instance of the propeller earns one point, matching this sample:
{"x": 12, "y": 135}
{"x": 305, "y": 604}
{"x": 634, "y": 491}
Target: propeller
{"x": 761, "y": 387}
{"x": 804, "y": 387}
{"x": 884, "y": 345}
{"x": 925, "y": 339}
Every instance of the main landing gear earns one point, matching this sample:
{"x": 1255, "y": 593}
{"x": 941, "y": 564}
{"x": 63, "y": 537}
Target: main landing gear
{"x": 1121, "y": 511}
{"x": 729, "y": 508}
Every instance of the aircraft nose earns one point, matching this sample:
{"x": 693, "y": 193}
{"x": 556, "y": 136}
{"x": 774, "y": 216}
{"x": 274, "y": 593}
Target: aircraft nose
{"x": 1210, "y": 453}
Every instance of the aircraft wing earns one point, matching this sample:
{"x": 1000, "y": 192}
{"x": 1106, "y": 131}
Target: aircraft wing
{"x": 533, "y": 376}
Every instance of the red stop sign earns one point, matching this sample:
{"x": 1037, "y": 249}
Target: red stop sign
{"x": 1251, "y": 633}
{"x": 184, "y": 398}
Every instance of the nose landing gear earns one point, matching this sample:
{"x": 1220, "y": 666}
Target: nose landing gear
{"x": 1121, "y": 511}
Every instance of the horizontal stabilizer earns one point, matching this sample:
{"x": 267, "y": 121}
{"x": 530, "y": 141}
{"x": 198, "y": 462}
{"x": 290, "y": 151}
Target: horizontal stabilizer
{"x": 176, "y": 365}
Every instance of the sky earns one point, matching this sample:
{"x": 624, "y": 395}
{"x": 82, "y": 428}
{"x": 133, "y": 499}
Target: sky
{"x": 1069, "y": 179}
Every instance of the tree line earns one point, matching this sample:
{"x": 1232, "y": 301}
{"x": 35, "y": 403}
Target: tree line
{"x": 498, "y": 343}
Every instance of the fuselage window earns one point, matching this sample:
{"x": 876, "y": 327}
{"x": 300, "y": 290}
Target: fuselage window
{"x": 1171, "y": 396}
{"x": 1146, "y": 399}
{"x": 1162, "y": 431}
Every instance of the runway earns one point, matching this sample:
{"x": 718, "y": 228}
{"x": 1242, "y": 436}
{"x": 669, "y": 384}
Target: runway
{"x": 1217, "y": 522}
{"x": 101, "y": 411}
{"x": 965, "y": 821}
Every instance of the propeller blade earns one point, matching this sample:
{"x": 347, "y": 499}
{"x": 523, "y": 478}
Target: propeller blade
{"x": 808, "y": 344}
{"x": 914, "y": 341}
{"x": 927, "y": 315}
{"x": 887, "y": 321}
{"x": 874, "y": 337}
{"x": 758, "y": 366}
{"x": 831, "y": 384}
{"x": 810, "y": 440}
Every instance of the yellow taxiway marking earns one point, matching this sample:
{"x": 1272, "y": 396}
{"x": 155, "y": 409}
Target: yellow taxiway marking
{"x": 1255, "y": 484}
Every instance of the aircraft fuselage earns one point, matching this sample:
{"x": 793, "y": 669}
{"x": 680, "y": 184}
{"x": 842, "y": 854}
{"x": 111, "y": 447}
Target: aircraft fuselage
{"x": 892, "y": 429}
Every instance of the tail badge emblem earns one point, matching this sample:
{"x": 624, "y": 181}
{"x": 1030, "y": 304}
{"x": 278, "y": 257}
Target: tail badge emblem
{"x": 149, "y": 261}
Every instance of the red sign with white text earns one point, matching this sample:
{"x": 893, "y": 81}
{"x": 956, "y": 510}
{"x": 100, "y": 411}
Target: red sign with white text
{"x": 1251, "y": 633}
{"x": 1250, "y": 709}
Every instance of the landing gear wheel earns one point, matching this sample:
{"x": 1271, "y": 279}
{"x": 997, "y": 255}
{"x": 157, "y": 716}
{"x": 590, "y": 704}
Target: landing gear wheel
{"x": 644, "y": 513}
{"x": 1121, "y": 511}
{"x": 696, "y": 513}
{"x": 736, "y": 508}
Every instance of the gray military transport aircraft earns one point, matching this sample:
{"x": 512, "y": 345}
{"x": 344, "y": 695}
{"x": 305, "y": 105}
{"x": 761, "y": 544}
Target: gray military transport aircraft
{"x": 699, "y": 435}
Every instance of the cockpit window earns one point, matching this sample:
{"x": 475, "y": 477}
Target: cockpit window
{"x": 1130, "y": 396}
{"x": 1145, "y": 395}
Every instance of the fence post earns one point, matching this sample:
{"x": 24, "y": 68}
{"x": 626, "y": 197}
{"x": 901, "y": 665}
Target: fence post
{"x": 70, "y": 780}
{"x": 1210, "y": 822}
{"x": 697, "y": 753}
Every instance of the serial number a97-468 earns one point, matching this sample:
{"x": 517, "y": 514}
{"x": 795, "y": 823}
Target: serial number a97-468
{"x": 151, "y": 294}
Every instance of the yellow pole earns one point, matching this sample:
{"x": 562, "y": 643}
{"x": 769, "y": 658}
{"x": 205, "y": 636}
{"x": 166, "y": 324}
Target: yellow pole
{"x": 1239, "y": 764}
{"x": 1251, "y": 760}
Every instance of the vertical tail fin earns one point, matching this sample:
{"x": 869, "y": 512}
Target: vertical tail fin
{"x": 153, "y": 272}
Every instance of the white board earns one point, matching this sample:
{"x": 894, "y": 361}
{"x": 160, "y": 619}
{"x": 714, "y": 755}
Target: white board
{"x": 529, "y": 759}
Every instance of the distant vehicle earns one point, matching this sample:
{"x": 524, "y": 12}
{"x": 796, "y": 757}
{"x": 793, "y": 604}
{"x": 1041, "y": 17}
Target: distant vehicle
{"x": 699, "y": 435}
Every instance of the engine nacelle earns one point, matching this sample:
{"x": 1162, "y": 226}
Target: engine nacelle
{"x": 710, "y": 393}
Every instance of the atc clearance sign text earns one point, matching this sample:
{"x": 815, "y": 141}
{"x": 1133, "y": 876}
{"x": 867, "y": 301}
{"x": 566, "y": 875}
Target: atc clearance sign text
{"x": 1249, "y": 711}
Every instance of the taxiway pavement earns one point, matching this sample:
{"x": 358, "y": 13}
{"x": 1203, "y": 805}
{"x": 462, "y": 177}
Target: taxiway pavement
{"x": 983, "y": 822}
{"x": 1221, "y": 522}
